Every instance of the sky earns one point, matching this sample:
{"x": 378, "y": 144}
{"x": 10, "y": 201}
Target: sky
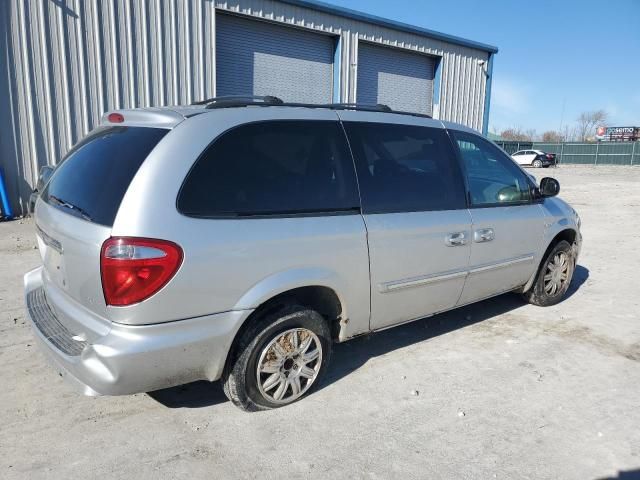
{"x": 556, "y": 59}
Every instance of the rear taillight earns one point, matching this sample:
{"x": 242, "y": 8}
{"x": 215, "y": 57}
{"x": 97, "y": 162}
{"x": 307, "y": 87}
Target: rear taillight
{"x": 133, "y": 269}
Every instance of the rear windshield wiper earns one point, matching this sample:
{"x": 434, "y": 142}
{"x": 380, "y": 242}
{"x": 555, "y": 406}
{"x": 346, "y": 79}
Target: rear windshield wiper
{"x": 63, "y": 203}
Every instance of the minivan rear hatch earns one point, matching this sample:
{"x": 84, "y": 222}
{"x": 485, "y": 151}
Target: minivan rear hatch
{"x": 75, "y": 214}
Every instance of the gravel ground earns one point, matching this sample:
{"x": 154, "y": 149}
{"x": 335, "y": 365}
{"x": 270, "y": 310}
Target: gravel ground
{"x": 494, "y": 390}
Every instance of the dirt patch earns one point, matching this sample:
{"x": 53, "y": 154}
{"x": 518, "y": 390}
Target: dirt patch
{"x": 506, "y": 390}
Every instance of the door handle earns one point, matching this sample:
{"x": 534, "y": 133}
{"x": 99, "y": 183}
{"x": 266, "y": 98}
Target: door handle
{"x": 456, "y": 239}
{"x": 483, "y": 235}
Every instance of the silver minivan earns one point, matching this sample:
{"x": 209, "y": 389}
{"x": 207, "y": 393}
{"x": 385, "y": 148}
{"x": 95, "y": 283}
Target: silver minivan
{"x": 238, "y": 239}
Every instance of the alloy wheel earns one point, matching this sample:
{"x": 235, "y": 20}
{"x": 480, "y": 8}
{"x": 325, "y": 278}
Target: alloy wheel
{"x": 556, "y": 274}
{"x": 288, "y": 365}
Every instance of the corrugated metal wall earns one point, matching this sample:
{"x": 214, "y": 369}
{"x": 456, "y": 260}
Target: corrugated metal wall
{"x": 463, "y": 82}
{"x": 69, "y": 61}
{"x": 63, "y": 63}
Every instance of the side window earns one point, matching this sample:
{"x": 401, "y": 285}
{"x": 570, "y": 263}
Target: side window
{"x": 517, "y": 154}
{"x": 403, "y": 168}
{"x": 271, "y": 168}
{"x": 492, "y": 176}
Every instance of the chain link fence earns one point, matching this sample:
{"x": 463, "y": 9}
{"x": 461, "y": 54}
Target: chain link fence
{"x": 600, "y": 153}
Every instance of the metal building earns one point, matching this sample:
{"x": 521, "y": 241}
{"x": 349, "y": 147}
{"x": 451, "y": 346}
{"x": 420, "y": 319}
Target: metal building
{"x": 63, "y": 63}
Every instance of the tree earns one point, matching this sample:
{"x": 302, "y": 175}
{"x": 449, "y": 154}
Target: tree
{"x": 552, "y": 136}
{"x": 588, "y": 121}
{"x": 515, "y": 134}
{"x": 531, "y": 134}
{"x": 568, "y": 133}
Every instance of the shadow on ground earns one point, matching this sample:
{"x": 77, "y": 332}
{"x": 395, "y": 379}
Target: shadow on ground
{"x": 351, "y": 355}
{"x": 580, "y": 275}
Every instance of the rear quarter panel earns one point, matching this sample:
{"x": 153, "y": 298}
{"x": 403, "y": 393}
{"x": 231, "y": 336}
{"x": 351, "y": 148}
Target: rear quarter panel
{"x": 237, "y": 264}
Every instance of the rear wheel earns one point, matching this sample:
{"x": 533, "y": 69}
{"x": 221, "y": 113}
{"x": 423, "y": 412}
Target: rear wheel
{"x": 537, "y": 163}
{"x": 554, "y": 276}
{"x": 278, "y": 360}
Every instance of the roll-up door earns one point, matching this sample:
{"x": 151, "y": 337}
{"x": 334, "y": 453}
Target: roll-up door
{"x": 400, "y": 79}
{"x": 261, "y": 58}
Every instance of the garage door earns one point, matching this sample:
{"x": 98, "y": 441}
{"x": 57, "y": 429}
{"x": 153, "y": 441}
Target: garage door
{"x": 260, "y": 58}
{"x": 402, "y": 80}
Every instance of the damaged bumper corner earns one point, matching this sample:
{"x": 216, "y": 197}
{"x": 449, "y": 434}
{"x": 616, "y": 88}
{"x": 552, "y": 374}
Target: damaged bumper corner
{"x": 133, "y": 359}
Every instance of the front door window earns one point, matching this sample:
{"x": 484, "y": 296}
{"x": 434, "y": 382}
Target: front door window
{"x": 494, "y": 179}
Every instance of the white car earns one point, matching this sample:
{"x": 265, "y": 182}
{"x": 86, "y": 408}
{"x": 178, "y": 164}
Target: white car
{"x": 534, "y": 158}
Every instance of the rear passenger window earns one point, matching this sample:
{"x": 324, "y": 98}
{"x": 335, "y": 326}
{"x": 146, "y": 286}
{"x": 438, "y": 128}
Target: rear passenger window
{"x": 403, "y": 168}
{"x": 272, "y": 168}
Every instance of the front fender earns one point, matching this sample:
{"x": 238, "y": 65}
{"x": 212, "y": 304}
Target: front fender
{"x": 559, "y": 216}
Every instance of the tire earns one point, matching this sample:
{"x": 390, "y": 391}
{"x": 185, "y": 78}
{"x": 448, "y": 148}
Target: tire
{"x": 537, "y": 164}
{"x": 542, "y": 292}
{"x": 263, "y": 343}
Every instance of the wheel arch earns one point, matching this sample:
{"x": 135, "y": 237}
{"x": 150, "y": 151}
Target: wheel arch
{"x": 321, "y": 298}
{"x": 568, "y": 234}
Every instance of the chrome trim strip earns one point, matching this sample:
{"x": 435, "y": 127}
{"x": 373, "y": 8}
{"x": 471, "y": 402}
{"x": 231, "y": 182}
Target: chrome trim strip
{"x": 387, "y": 287}
{"x": 420, "y": 281}
{"x": 48, "y": 240}
{"x": 507, "y": 263}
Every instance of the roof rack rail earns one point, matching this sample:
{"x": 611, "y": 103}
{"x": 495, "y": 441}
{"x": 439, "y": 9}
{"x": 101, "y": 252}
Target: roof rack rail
{"x": 271, "y": 100}
{"x": 239, "y": 100}
{"x": 368, "y": 107}
{"x": 413, "y": 114}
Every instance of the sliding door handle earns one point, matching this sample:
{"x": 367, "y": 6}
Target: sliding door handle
{"x": 483, "y": 235}
{"x": 456, "y": 239}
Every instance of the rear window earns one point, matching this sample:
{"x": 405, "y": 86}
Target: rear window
{"x": 92, "y": 179}
{"x": 273, "y": 168}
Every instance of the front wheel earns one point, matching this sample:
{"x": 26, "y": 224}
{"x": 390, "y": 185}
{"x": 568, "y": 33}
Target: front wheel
{"x": 554, "y": 276}
{"x": 278, "y": 360}
{"x": 537, "y": 163}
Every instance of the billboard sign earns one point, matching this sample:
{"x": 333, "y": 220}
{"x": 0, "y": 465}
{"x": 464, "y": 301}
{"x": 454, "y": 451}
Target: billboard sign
{"x": 618, "y": 134}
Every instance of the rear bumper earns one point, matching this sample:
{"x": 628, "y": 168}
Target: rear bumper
{"x": 33, "y": 198}
{"x": 132, "y": 359}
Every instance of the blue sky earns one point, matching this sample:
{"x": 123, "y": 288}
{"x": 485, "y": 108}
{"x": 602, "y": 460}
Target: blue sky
{"x": 583, "y": 53}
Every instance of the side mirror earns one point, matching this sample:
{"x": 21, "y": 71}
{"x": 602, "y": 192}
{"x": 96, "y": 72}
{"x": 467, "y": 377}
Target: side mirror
{"x": 43, "y": 177}
{"x": 549, "y": 187}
